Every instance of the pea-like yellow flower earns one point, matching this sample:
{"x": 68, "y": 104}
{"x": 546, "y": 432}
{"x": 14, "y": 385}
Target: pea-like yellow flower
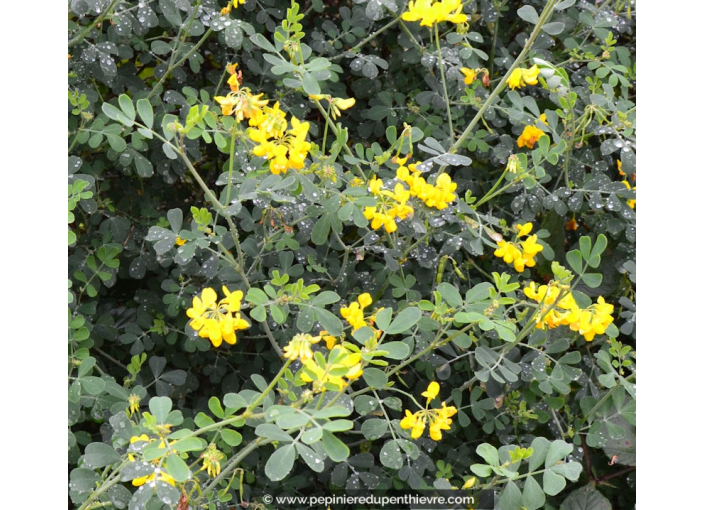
{"x": 211, "y": 460}
{"x": 438, "y": 419}
{"x": 469, "y": 75}
{"x": 341, "y": 367}
{"x": 284, "y": 150}
{"x": 299, "y": 347}
{"x": 180, "y": 242}
{"x": 213, "y": 319}
{"x": 530, "y": 136}
{"x": 520, "y": 254}
{"x": 521, "y": 77}
{"x": 432, "y": 391}
{"x": 354, "y": 314}
{"x": 631, "y": 203}
{"x": 430, "y": 12}
{"x": 133, "y": 400}
{"x": 588, "y": 322}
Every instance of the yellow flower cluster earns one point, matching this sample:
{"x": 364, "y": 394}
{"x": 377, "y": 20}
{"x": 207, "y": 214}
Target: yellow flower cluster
{"x": 521, "y": 254}
{"x": 391, "y": 205}
{"x": 284, "y": 148}
{"x": 341, "y": 367}
{"x": 430, "y": 12}
{"x": 239, "y": 101}
{"x": 439, "y": 419}
{"x": 438, "y": 195}
{"x": 530, "y": 136}
{"x": 588, "y": 322}
{"x": 215, "y": 320}
{"x": 299, "y": 347}
{"x": 211, "y": 458}
{"x": 354, "y": 314}
{"x": 522, "y": 77}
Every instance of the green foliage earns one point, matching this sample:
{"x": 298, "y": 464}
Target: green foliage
{"x": 168, "y": 197}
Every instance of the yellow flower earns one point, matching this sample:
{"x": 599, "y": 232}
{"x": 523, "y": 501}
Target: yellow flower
{"x": 354, "y": 314}
{"x": 344, "y": 364}
{"x": 242, "y": 103}
{"x": 284, "y": 150}
{"x": 180, "y": 242}
{"x": 524, "y": 230}
{"x": 338, "y": 104}
{"x": 430, "y": 12}
{"x": 631, "y": 203}
{"x": 521, "y": 77}
{"x": 158, "y": 474}
{"x": 438, "y": 419}
{"x": 299, "y": 347}
{"x": 530, "y": 136}
{"x": 330, "y": 340}
{"x": 469, "y": 75}
{"x": 432, "y": 391}
{"x": 214, "y": 320}
{"x": 618, "y": 165}
{"x": 211, "y": 460}
{"x": 133, "y": 402}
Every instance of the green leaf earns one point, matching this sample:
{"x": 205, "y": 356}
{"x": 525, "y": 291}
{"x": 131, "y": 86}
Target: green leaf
{"x": 586, "y": 497}
{"x": 126, "y": 106}
{"x": 334, "y": 448}
{"x": 390, "y": 454}
{"x": 280, "y": 463}
{"x": 510, "y": 498}
{"x": 528, "y": 13}
{"x": 321, "y": 230}
{"x": 312, "y": 435}
{"x": 600, "y": 245}
{"x": 570, "y": 470}
{"x": 92, "y": 385}
{"x": 189, "y": 444}
{"x": 216, "y": 408}
{"x": 330, "y": 322}
{"x": 310, "y": 84}
{"x": 263, "y": 42}
{"x": 488, "y": 453}
{"x": 311, "y": 457}
{"x": 383, "y": 318}
{"x": 271, "y": 431}
{"x": 450, "y": 294}
{"x": 374, "y": 428}
{"x": 404, "y": 320}
{"x": 294, "y": 420}
{"x": 574, "y": 259}
{"x": 592, "y": 280}
{"x": 481, "y": 470}
{"x": 375, "y": 378}
{"x": 231, "y": 437}
{"x": 558, "y": 450}
{"x": 86, "y": 366}
{"x": 553, "y": 28}
{"x": 234, "y": 401}
{"x": 160, "y": 407}
{"x": 533, "y": 495}
{"x": 177, "y": 468}
{"x": 99, "y": 455}
{"x": 395, "y": 350}
{"x": 553, "y": 483}
{"x": 144, "y": 108}
{"x": 115, "y": 113}
{"x": 585, "y": 246}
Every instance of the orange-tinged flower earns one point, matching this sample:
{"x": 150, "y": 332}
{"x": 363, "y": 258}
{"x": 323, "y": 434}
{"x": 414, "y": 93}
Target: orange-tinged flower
{"x": 530, "y": 136}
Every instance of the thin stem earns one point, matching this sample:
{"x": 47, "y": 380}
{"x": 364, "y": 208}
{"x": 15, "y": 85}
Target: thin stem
{"x": 444, "y": 83}
{"x": 544, "y": 16}
{"x": 181, "y": 61}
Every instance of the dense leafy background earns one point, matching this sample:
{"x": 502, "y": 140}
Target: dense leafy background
{"x": 129, "y": 290}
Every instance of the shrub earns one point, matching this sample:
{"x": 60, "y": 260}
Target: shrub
{"x": 290, "y": 224}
